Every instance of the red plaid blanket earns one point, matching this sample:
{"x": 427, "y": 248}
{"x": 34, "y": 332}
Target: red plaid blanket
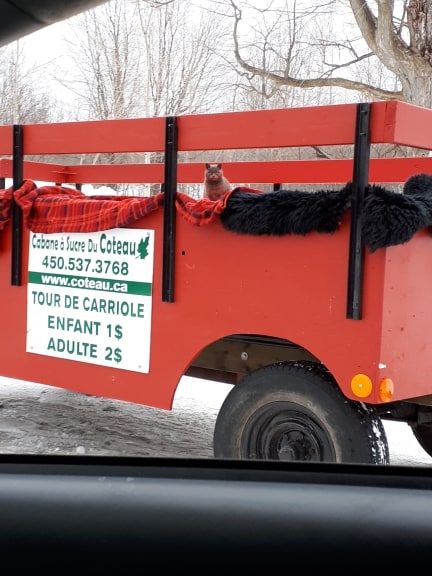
{"x": 58, "y": 209}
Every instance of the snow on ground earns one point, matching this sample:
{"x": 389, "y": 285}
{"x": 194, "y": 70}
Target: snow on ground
{"x": 38, "y": 419}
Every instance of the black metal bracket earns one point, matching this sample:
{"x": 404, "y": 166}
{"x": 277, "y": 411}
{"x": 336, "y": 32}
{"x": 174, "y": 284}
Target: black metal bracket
{"x": 17, "y": 220}
{"x": 170, "y": 191}
{"x": 359, "y": 183}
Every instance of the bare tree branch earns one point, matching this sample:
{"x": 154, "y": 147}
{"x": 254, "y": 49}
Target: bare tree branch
{"x": 320, "y": 82}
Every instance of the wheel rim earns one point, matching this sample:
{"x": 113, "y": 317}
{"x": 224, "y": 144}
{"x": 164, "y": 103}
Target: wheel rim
{"x": 280, "y": 431}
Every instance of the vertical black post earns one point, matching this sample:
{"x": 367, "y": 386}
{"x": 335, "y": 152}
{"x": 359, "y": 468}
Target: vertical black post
{"x": 2, "y": 183}
{"x": 276, "y": 187}
{"x": 17, "y": 175}
{"x": 359, "y": 184}
{"x": 170, "y": 190}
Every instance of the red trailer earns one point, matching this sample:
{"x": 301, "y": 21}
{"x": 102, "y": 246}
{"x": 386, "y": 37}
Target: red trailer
{"x": 315, "y": 305}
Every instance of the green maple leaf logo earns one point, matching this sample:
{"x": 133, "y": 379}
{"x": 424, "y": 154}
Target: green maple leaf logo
{"x": 143, "y": 247}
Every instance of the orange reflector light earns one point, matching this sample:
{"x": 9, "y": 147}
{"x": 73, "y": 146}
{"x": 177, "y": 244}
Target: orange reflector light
{"x": 386, "y": 390}
{"x": 361, "y": 385}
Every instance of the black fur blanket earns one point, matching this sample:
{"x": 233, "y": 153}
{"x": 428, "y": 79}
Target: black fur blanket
{"x": 388, "y": 218}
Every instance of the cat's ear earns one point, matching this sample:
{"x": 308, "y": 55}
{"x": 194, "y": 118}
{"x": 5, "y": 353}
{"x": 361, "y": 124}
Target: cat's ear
{"x": 219, "y": 166}
{"x": 207, "y": 166}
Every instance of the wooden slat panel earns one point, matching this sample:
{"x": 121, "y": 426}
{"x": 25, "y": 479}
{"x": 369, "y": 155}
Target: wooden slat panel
{"x": 35, "y": 171}
{"x": 139, "y": 135}
{"x": 6, "y": 140}
{"x": 121, "y": 173}
{"x": 382, "y": 170}
{"x": 315, "y": 125}
{"x": 391, "y": 122}
{"x": 401, "y": 123}
{"x": 413, "y": 126}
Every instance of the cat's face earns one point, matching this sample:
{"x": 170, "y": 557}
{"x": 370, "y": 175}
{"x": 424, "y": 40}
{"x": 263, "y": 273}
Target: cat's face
{"x": 213, "y": 171}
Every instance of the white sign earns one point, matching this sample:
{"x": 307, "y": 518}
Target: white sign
{"x": 89, "y": 297}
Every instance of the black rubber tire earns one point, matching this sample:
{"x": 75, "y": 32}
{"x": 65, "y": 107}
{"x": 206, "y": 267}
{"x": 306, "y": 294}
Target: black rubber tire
{"x": 423, "y": 434}
{"x": 294, "y": 411}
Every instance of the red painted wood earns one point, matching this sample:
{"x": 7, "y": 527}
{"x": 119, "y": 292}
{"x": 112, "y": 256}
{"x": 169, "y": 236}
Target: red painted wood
{"x": 225, "y": 284}
{"x": 413, "y": 126}
{"x": 339, "y": 171}
{"x": 407, "y": 316}
{"x": 288, "y": 287}
{"x": 259, "y": 285}
{"x": 6, "y": 140}
{"x": 140, "y": 135}
{"x": 316, "y": 125}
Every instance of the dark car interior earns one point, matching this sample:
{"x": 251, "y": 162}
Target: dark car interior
{"x": 21, "y": 17}
{"x": 74, "y": 514}
{"x": 116, "y": 515}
